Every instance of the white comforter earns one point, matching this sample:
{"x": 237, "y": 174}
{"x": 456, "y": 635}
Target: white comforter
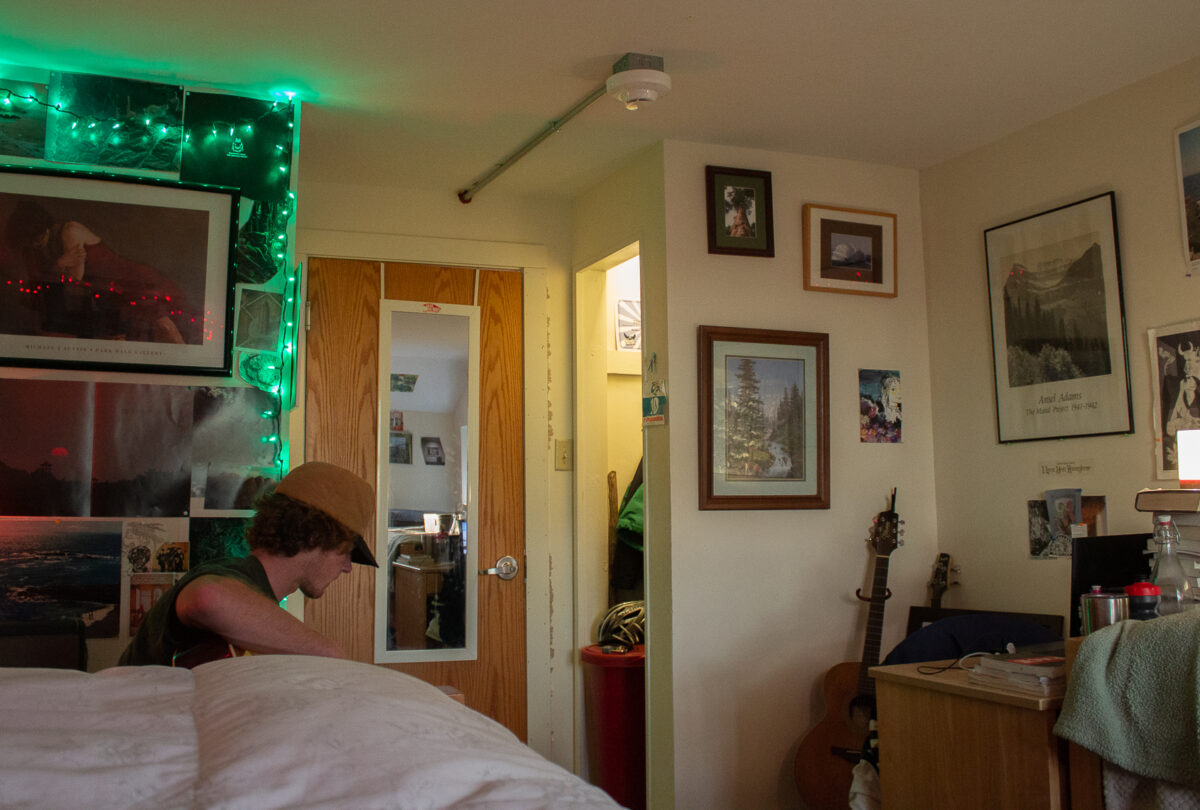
{"x": 262, "y": 732}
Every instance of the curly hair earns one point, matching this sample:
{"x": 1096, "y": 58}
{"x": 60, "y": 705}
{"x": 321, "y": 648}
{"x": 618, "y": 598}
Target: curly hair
{"x": 285, "y": 527}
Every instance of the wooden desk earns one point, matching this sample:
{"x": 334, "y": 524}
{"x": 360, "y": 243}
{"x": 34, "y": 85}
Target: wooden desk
{"x": 414, "y": 584}
{"x": 944, "y": 742}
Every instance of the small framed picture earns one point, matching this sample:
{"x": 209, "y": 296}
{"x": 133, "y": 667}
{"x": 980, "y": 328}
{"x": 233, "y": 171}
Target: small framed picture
{"x": 400, "y": 447}
{"x": 1187, "y": 159}
{"x": 849, "y": 251}
{"x": 431, "y": 450}
{"x": 739, "y": 211}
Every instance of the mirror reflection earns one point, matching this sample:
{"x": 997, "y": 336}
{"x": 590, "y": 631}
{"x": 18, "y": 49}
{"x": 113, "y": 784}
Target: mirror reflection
{"x": 426, "y": 427}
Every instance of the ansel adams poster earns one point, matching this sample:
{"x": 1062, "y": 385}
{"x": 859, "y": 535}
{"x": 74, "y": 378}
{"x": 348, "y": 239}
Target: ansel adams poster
{"x": 1058, "y": 332}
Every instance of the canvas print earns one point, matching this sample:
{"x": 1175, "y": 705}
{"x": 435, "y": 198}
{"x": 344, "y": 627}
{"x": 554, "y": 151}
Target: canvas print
{"x": 1058, "y": 329}
{"x": 879, "y": 417}
{"x": 23, "y": 120}
{"x": 53, "y": 569}
{"x": 1175, "y": 354}
{"x": 115, "y": 122}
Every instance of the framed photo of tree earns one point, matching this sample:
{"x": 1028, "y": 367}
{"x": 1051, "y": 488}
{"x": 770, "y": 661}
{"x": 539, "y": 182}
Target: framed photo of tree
{"x": 740, "y": 218}
{"x": 764, "y": 418}
{"x": 1058, "y": 324}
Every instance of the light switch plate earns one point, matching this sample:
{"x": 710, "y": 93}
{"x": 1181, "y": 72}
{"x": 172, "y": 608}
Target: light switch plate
{"x": 562, "y": 454}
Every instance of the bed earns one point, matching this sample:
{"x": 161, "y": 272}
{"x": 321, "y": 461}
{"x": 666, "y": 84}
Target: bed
{"x": 262, "y": 732}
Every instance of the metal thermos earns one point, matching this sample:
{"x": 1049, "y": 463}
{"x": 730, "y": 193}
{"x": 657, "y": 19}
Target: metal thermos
{"x": 1099, "y": 609}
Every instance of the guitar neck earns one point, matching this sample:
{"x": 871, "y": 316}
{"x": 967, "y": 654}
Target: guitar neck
{"x": 874, "y": 634}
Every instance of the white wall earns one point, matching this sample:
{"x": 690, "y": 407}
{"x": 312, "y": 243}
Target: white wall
{"x": 764, "y": 600}
{"x": 1124, "y": 143}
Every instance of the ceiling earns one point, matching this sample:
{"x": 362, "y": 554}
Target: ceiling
{"x": 433, "y": 95}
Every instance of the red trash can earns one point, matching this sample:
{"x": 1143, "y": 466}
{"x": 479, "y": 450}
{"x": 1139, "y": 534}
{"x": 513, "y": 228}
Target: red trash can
{"x": 614, "y": 686}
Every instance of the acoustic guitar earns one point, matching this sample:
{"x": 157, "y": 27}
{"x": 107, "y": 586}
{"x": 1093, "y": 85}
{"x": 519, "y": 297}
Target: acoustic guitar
{"x": 828, "y": 753}
{"x": 213, "y": 648}
{"x": 939, "y": 583}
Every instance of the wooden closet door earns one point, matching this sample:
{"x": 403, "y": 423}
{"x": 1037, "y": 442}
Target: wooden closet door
{"x": 341, "y": 424}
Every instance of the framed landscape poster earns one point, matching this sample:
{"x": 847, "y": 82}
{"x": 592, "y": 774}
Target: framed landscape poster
{"x": 1187, "y": 160}
{"x": 764, "y": 419}
{"x": 1058, "y": 324}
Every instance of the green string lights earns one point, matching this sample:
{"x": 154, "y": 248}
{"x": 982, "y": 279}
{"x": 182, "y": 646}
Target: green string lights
{"x": 223, "y": 140}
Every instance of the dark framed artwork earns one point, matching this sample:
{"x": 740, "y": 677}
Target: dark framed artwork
{"x": 431, "y": 450}
{"x": 400, "y": 447}
{"x": 118, "y": 273}
{"x": 739, "y": 211}
{"x": 1058, "y": 324}
{"x": 1175, "y": 354}
{"x": 1187, "y": 162}
{"x": 847, "y": 250}
{"x": 764, "y": 419}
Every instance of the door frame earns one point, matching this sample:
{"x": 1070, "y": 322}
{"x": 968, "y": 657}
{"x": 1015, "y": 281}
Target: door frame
{"x": 549, "y": 589}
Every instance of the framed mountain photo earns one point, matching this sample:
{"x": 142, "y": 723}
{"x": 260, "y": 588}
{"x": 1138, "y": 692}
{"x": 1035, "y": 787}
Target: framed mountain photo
{"x": 1058, "y": 324}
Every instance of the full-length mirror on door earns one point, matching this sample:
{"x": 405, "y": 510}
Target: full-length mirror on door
{"x": 428, "y": 460}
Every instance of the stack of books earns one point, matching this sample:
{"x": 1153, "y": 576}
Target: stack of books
{"x": 1033, "y": 674}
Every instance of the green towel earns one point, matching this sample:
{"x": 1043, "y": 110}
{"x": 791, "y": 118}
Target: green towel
{"x": 1134, "y": 697}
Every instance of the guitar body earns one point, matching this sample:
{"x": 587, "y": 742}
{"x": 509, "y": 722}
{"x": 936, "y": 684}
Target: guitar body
{"x": 825, "y": 760}
{"x": 822, "y": 775}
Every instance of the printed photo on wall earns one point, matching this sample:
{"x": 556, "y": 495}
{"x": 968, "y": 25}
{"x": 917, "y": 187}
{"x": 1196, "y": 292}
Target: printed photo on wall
{"x": 211, "y": 538}
{"x": 139, "y": 111}
{"x": 629, "y": 326}
{"x": 1175, "y": 354}
{"x": 878, "y": 406}
{"x": 431, "y": 448}
{"x": 144, "y": 591}
{"x": 154, "y": 545}
{"x": 23, "y": 124}
{"x": 54, "y": 570}
{"x": 1045, "y": 544}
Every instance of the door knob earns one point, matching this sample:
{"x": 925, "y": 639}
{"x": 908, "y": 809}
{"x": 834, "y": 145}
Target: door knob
{"x": 506, "y": 568}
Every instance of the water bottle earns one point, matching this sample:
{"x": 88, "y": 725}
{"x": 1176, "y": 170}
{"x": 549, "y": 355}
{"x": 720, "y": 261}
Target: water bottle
{"x": 1168, "y": 571}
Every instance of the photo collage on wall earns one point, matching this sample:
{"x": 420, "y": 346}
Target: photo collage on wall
{"x": 109, "y": 491}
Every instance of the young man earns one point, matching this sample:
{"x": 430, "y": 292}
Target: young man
{"x": 305, "y": 534}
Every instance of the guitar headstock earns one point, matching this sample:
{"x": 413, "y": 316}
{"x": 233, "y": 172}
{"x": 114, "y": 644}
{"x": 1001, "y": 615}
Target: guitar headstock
{"x": 885, "y": 530}
{"x": 940, "y": 580}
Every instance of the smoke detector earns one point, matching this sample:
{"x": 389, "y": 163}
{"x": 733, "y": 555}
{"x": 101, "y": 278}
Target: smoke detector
{"x": 638, "y": 78}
